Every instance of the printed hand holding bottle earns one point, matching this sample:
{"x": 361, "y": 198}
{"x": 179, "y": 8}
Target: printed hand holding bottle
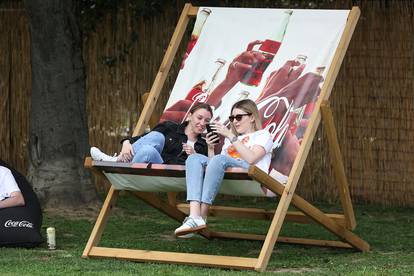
{"x": 265, "y": 53}
{"x": 278, "y": 79}
{"x": 198, "y": 26}
{"x": 197, "y": 94}
{"x": 201, "y": 90}
{"x": 248, "y": 67}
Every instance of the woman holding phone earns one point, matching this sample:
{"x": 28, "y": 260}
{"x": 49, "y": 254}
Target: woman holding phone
{"x": 167, "y": 143}
{"x": 246, "y": 143}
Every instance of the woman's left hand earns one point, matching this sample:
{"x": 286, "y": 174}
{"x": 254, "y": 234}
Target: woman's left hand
{"x": 212, "y": 139}
{"x": 221, "y": 129}
{"x": 188, "y": 149}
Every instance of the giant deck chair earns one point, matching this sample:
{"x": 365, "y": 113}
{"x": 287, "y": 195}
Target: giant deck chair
{"x": 328, "y": 32}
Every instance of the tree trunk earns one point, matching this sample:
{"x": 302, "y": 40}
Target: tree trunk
{"x": 58, "y": 130}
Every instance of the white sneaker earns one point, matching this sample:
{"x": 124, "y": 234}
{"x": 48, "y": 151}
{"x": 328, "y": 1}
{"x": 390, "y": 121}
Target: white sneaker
{"x": 189, "y": 235}
{"x": 189, "y": 226}
{"x": 98, "y": 155}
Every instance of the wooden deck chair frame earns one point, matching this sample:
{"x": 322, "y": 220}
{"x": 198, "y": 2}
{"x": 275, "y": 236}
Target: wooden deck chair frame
{"x": 340, "y": 225}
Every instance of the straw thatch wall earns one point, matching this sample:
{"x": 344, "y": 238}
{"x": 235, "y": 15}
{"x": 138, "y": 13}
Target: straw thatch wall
{"x": 372, "y": 98}
{"x": 15, "y": 86}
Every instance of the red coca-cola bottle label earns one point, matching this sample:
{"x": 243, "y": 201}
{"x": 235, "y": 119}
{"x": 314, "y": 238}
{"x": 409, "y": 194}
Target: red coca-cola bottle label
{"x": 264, "y": 56}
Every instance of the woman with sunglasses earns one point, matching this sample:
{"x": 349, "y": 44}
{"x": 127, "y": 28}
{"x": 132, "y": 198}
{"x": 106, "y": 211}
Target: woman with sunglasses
{"x": 246, "y": 143}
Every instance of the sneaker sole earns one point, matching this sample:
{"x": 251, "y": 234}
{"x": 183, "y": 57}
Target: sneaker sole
{"x": 187, "y": 236}
{"x": 190, "y": 230}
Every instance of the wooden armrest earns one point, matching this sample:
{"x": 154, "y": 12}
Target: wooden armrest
{"x": 164, "y": 170}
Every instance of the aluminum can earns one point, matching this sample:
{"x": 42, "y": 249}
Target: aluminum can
{"x": 51, "y": 238}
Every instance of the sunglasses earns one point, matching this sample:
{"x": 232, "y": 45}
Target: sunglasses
{"x": 238, "y": 117}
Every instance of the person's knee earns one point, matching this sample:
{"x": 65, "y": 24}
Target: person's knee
{"x": 218, "y": 160}
{"x": 145, "y": 153}
{"x": 194, "y": 158}
{"x": 157, "y": 135}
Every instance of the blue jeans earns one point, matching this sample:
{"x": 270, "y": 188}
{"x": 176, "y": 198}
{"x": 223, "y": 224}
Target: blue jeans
{"x": 203, "y": 187}
{"x": 148, "y": 148}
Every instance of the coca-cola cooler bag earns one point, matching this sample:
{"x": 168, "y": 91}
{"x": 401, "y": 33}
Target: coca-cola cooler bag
{"x": 20, "y": 226}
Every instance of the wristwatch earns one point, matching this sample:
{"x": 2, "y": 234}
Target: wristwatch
{"x": 234, "y": 139}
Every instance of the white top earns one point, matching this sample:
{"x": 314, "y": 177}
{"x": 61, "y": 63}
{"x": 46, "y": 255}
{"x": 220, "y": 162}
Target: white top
{"x": 8, "y": 184}
{"x": 190, "y": 143}
{"x": 260, "y": 138}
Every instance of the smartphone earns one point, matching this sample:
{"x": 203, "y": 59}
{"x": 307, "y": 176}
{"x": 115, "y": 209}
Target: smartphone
{"x": 209, "y": 129}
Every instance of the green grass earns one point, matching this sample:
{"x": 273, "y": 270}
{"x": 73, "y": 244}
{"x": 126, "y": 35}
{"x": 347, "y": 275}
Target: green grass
{"x": 135, "y": 225}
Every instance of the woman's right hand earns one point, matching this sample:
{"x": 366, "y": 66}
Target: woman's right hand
{"x": 127, "y": 152}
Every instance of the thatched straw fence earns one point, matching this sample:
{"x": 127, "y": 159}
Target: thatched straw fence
{"x": 15, "y": 86}
{"x": 372, "y": 100}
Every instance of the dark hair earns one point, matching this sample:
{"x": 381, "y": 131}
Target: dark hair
{"x": 198, "y": 106}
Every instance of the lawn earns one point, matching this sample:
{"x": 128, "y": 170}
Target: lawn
{"x": 133, "y": 224}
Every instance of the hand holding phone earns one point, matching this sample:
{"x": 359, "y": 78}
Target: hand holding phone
{"x": 212, "y": 138}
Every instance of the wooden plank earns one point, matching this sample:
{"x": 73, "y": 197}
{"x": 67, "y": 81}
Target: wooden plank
{"x": 192, "y": 12}
{"x": 166, "y": 170}
{"x": 163, "y": 71}
{"x": 153, "y": 120}
{"x": 309, "y": 135}
{"x": 256, "y": 213}
{"x": 286, "y": 193}
{"x": 174, "y": 257}
{"x": 256, "y": 237}
{"x": 88, "y": 163}
{"x": 101, "y": 221}
{"x": 172, "y": 199}
{"x": 313, "y": 242}
{"x": 338, "y": 166}
{"x": 313, "y": 212}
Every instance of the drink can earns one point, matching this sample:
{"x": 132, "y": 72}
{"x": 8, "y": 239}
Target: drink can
{"x": 51, "y": 238}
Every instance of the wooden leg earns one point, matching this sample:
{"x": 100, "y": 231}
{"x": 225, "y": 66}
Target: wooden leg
{"x": 310, "y": 210}
{"x": 338, "y": 166}
{"x": 172, "y": 198}
{"x": 101, "y": 221}
{"x": 256, "y": 213}
{"x": 256, "y": 237}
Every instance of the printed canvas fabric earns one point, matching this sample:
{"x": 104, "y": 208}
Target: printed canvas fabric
{"x": 275, "y": 57}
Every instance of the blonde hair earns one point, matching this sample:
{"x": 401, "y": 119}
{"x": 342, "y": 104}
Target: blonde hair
{"x": 250, "y": 107}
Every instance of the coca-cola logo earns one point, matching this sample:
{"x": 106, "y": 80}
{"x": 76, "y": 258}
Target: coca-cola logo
{"x": 270, "y": 105}
{"x": 268, "y": 108}
{"x": 200, "y": 97}
{"x": 23, "y": 223}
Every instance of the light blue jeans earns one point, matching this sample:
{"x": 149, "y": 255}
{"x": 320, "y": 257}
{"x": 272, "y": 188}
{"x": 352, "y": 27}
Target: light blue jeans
{"x": 148, "y": 148}
{"x": 203, "y": 187}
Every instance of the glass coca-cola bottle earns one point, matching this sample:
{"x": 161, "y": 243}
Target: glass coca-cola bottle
{"x": 200, "y": 91}
{"x": 198, "y": 26}
{"x": 264, "y": 53}
{"x": 302, "y": 119}
{"x": 281, "y": 77}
